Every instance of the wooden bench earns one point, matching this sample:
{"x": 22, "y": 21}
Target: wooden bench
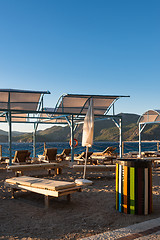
{"x": 95, "y": 168}
{"x": 49, "y": 188}
{"x": 19, "y": 169}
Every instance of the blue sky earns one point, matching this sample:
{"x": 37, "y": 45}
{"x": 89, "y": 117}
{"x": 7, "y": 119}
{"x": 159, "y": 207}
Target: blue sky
{"x": 83, "y": 46}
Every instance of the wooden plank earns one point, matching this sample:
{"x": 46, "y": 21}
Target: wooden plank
{"x": 95, "y": 168}
{"x": 44, "y": 191}
{"x": 33, "y": 166}
{"x": 53, "y": 185}
{"x": 41, "y": 183}
{"x": 146, "y": 191}
{"x": 125, "y": 189}
{"x": 132, "y": 190}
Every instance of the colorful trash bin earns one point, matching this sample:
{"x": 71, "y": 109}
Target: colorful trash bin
{"x": 134, "y": 186}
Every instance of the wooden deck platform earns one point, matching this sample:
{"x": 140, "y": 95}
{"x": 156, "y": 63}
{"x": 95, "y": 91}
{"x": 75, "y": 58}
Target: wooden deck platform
{"x": 49, "y": 188}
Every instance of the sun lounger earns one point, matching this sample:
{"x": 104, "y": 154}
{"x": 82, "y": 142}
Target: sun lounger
{"x": 108, "y": 151}
{"x": 21, "y": 156}
{"x": 155, "y": 160}
{"x": 132, "y": 154}
{"x": 102, "y": 159}
{"x": 50, "y": 155}
{"x": 95, "y": 168}
{"x": 66, "y": 152}
{"x": 20, "y": 169}
{"x": 49, "y": 188}
{"x": 81, "y": 157}
{"x": 150, "y": 154}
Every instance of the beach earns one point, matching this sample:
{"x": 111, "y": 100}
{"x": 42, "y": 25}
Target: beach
{"x": 89, "y": 212}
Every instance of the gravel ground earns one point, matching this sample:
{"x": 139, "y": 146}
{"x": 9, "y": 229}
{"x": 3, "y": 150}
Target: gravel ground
{"x": 90, "y": 212}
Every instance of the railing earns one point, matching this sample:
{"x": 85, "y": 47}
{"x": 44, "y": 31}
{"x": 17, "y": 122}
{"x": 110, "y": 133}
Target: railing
{"x": 127, "y": 146}
{"x": 146, "y": 146}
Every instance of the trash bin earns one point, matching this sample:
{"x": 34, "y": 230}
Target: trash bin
{"x": 134, "y": 186}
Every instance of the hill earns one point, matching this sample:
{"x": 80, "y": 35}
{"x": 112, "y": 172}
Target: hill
{"x": 104, "y": 131}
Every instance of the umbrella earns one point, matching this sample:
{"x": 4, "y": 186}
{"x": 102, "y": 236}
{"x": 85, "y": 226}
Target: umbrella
{"x": 88, "y": 130}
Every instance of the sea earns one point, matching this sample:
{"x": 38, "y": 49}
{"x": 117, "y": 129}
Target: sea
{"x": 96, "y": 147}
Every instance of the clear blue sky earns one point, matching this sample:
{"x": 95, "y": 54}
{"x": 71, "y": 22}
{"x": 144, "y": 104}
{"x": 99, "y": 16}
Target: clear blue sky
{"x": 83, "y": 46}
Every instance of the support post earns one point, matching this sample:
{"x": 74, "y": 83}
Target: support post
{"x": 46, "y": 200}
{"x": 72, "y": 139}
{"x": 157, "y": 146}
{"x": 139, "y": 139}
{"x": 120, "y": 137}
{"x": 140, "y": 130}
{"x": 10, "y": 138}
{"x": 0, "y": 151}
{"x": 34, "y": 141}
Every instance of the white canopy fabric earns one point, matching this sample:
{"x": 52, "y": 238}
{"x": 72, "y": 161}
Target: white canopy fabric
{"x": 78, "y": 104}
{"x": 150, "y": 116}
{"x": 21, "y": 100}
{"x": 26, "y": 106}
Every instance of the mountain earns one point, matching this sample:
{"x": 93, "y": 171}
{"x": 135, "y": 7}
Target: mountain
{"x": 4, "y": 135}
{"x": 105, "y": 130}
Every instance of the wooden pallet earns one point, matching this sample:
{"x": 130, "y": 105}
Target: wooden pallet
{"x": 49, "y": 188}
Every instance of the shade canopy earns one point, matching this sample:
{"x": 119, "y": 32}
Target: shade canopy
{"x": 150, "y": 116}
{"x": 22, "y": 101}
{"x": 78, "y": 104}
{"x": 27, "y": 106}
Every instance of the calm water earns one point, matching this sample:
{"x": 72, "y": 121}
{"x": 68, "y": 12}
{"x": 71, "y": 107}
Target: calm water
{"x": 97, "y": 146}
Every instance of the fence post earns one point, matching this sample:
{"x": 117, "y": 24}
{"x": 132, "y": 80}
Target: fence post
{"x": 44, "y": 146}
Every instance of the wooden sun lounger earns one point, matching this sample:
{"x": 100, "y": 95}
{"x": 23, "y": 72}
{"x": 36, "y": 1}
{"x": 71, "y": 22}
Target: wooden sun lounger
{"x": 49, "y": 188}
{"x": 19, "y": 169}
{"x": 155, "y": 160}
{"x": 103, "y": 159}
{"x": 95, "y": 168}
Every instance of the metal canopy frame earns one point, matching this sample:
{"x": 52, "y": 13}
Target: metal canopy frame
{"x": 72, "y": 116}
{"x": 149, "y": 117}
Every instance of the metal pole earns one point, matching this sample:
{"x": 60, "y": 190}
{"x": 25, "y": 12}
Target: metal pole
{"x": 10, "y": 138}
{"x": 139, "y": 139}
{"x": 0, "y": 151}
{"x": 72, "y": 139}
{"x": 85, "y": 165}
{"x": 120, "y": 137}
{"x": 34, "y": 141}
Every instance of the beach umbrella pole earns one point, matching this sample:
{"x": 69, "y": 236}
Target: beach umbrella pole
{"x": 85, "y": 165}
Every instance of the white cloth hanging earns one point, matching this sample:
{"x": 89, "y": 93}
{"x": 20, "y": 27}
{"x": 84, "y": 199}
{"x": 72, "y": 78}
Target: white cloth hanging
{"x": 88, "y": 127}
